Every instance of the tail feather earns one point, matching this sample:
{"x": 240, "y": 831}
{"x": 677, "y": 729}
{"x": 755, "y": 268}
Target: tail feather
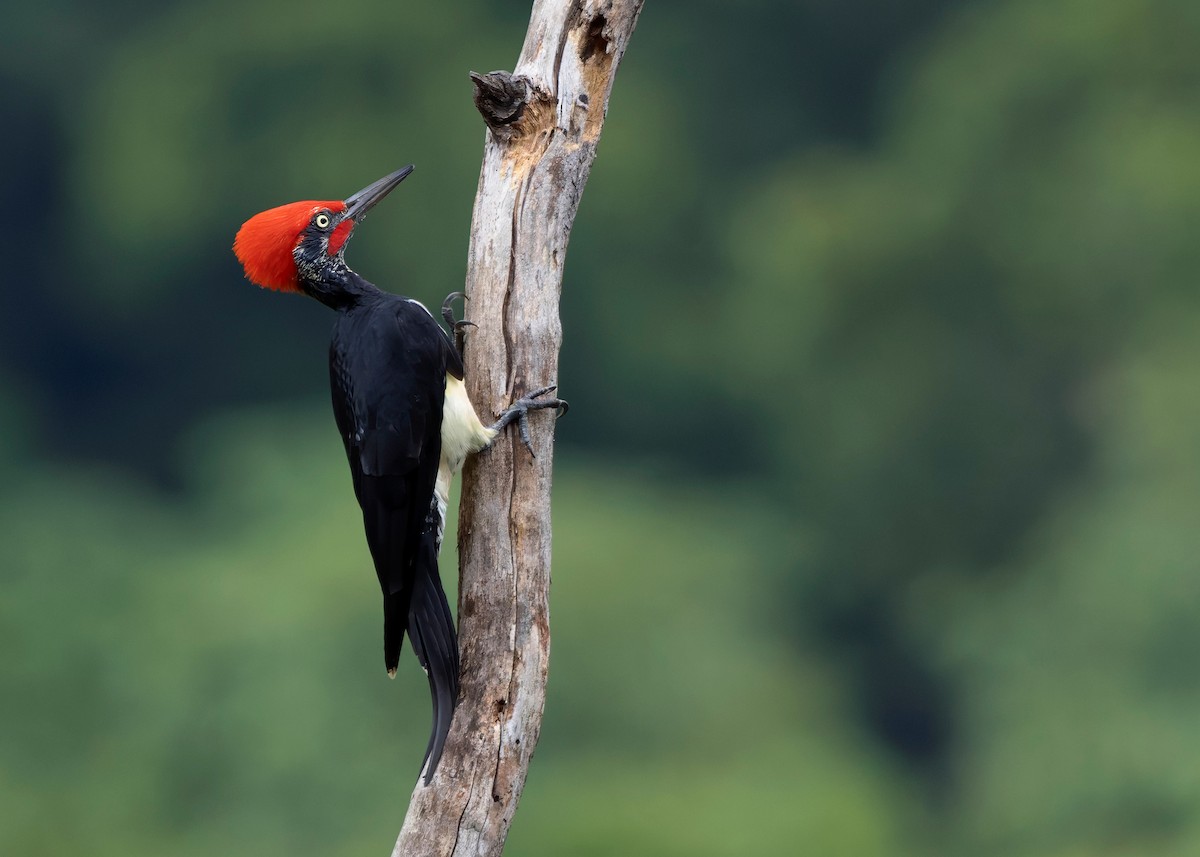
{"x": 431, "y": 631}
{"x": 386, "y": 536}
{"x": 395, "y": 612}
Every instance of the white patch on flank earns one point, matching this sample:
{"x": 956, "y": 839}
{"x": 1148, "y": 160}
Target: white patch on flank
{"x": 462, "y": 434}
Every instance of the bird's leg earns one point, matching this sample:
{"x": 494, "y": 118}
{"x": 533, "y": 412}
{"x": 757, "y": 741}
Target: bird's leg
{"x": 457, "y": 328}
{"x": 518, "y": 412}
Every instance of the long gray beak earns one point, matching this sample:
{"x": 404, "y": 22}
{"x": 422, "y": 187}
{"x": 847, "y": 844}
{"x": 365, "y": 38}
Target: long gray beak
{"x": 360, "y": 203}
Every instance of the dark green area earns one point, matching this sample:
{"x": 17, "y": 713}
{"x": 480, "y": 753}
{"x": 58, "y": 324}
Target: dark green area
{"x": 877, "y": 512}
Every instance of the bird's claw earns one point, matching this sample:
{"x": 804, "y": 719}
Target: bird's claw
{"x": 448, "y": 307}
{"x": 457, "y": 328}
{"x": 561, "y": 406}
{"x": 518, "y": 412}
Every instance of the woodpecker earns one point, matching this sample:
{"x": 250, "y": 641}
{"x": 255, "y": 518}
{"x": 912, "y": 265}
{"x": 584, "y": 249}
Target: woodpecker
{"x": 403, "y": 413}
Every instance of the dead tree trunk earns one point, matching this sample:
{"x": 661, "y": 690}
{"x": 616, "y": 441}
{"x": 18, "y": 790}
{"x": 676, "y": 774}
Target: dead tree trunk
{"x": 543, "y": 121}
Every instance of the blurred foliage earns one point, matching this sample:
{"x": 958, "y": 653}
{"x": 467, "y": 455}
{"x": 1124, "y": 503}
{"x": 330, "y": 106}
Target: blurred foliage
{"x": 876, "y": 510}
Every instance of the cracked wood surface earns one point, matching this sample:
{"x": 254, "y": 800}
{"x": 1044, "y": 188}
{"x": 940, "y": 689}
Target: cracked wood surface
{"x": 544, "y": 121}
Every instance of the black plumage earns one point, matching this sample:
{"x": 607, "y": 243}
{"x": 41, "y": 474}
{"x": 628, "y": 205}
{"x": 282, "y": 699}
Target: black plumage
{"x": 388, "y": 363}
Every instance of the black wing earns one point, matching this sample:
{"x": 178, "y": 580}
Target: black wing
{"x": 388, "y": 365}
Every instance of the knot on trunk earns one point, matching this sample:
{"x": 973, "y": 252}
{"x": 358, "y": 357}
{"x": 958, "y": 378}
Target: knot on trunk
{"x": 500, "y": 98}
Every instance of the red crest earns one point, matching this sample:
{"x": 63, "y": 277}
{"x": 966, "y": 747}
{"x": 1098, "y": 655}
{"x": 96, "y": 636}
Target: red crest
{"x": 265, "y": 242}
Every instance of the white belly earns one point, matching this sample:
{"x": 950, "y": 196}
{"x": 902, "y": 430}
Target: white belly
{"x": 462, "y": 434}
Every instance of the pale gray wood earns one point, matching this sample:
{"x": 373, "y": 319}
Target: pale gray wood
{"x": 544, "y": 121}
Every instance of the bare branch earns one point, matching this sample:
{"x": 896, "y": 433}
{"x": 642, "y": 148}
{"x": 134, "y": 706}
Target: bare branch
{"x": 544, "y": 121}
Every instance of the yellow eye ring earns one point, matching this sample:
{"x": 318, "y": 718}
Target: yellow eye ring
{"x": 322, "y": 221}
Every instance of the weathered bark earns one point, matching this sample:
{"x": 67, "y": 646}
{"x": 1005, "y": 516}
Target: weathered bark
{"x": 544, "y": 121}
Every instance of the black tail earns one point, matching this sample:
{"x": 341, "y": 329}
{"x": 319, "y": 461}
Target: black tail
{"x": 395, "y": 612}
{"x": 431, "y": 630}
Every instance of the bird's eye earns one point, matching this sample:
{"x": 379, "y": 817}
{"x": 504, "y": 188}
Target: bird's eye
{"x": 322, "y": 220}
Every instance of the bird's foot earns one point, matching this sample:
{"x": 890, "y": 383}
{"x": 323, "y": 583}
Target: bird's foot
{"x": 518, "y": 412}
{"x": 457, "y": 328}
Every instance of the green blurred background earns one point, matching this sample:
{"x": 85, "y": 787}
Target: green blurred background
{"x": 876, "y": 512}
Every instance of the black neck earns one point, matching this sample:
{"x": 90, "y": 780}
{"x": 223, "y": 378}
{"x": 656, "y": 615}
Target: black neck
{"x": 339, "y": 288}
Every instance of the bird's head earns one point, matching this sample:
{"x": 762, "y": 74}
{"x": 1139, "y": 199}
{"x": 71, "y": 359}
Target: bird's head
{"x": 304, "y": 243}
